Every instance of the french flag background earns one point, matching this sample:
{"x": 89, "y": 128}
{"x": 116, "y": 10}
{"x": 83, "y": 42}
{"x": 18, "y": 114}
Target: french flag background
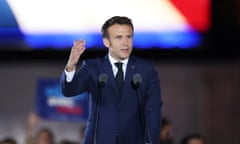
{"x": 161, "y": 24}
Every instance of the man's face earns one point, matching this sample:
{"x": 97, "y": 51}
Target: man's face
{"x": 120, "y": 41}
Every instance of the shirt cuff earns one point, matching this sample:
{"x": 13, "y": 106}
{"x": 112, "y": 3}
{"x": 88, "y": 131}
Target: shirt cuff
{"x": 69, "y": 75}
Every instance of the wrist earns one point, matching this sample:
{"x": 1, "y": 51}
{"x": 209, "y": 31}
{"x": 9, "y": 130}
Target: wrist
{"x": 70, "y": 68}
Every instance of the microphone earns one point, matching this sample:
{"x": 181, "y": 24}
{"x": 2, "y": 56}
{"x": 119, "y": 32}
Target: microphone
{"x": 103, "y": 77}
{"x": 102, "y": 80}
{"x": 137, "y": 81}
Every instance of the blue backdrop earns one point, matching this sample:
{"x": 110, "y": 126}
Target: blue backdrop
{"x": 52, "y": 105}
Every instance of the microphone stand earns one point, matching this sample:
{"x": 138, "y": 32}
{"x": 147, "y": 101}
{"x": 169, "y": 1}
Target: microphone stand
{"x": 97, "y": 115}
{"x": 101, "y": 84}
{"x": 143, "y": 115}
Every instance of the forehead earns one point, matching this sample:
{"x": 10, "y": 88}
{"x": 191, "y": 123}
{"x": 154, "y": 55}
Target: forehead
{"x": 120, "y": 29}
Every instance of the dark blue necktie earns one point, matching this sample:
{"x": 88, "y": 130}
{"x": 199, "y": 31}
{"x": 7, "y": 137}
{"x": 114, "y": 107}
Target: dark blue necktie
{"x": 119, "y": 78}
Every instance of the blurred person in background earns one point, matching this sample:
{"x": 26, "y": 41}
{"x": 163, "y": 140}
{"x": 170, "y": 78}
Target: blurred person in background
{"x": 81, "y": 133}
{"x": 66, "y": 141}
{"x": 195, "y": 138}
{"x": 8, "y": 140}
{"x": 43, "y": 136}
{"x": 165, "y": 133}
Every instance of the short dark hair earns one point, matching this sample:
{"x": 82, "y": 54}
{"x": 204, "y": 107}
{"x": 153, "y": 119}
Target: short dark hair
{"x": 48, "y": 131}
{"x": 189, "y": 137}
{"x": 165, "y": 122}
{"x": 8, "y": 140}
{"x": 115, "y": 20}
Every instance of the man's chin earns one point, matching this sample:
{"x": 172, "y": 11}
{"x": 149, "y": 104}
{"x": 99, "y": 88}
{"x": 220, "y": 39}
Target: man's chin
{"x": 125, "y": 56}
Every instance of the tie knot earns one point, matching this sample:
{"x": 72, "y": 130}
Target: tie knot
{"x": 119, "y": 65}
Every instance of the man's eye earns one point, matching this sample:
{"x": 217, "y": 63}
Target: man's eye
{"x": 119, "y": 37}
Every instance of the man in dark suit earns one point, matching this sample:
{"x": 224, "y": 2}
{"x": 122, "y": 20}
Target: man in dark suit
{"x": 126, "y": 111}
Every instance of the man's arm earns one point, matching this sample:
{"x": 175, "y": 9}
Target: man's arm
{"x": 76, "y": 51}
{"x": 153, "y": 105}
{"x": 68, "y": 87}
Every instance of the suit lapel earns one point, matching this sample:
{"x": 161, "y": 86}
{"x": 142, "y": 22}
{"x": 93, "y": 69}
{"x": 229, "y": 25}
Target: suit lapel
{"x": 131, "y": 69}
{"x": 107, "y": 67}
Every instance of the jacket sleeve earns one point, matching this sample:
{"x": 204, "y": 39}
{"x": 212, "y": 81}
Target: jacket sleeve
{"x": 153, "y": 105}
{"x": 79, "y": 83}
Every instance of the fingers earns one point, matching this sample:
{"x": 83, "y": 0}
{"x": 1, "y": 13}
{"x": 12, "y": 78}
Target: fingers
{"x": 76, "y": 51}
{"x": 79, "y": 44}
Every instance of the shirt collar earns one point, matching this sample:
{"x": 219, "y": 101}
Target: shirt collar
{"x": 112, "y": 60}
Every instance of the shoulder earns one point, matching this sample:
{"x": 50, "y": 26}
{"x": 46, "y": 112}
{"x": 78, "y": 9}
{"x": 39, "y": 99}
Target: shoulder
{"x": 94, "y": 60}
{"x": 141, "y": 61}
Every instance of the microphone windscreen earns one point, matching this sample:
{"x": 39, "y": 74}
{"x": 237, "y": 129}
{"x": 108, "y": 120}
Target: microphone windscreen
{"x": 137, "y": 79}
{"x": 103, "y": 77}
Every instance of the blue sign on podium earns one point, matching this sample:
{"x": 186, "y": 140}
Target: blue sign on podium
{"x": 52, "y": 105}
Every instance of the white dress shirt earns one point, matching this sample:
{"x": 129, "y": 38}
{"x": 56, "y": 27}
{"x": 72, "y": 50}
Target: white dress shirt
{"x": 70, "y": 75}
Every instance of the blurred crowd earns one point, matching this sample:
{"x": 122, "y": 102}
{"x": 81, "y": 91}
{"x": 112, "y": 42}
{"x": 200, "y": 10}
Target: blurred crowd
{"x": 166, "y": 135}
{"x": 45, "y": 135}
{"x": 42, "y": 135}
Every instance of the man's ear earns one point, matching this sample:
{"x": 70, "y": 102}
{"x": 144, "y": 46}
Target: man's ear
{"x": 106, "y": 42}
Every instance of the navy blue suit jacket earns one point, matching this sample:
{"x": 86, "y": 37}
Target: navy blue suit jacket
{"x": 118, "y": 119}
